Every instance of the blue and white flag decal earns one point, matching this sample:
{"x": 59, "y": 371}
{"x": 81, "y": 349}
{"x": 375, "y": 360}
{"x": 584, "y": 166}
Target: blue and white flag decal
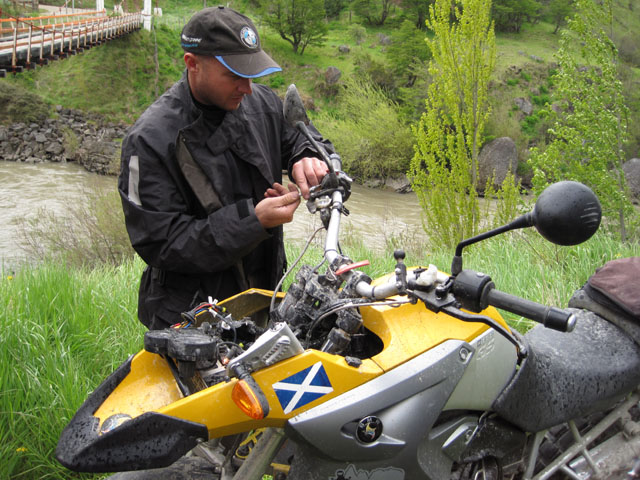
{"x": 302, "y": 387}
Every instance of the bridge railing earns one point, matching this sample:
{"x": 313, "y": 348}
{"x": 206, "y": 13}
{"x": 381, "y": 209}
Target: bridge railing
{"x": 26, "y": 42}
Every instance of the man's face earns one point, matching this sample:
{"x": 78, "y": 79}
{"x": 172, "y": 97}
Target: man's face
{"x": 213, "y": 84}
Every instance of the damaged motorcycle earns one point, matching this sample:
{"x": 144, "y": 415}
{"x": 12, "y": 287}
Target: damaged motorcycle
{"x": 414, "y": 375}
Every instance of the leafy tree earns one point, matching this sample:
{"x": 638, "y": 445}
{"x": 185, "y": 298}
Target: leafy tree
{"x": 589, "y": 132}
{"x": 375, "y": 12}
{"x": 418, "y": 9}
{"x": 448, "y": 136}
{"x": 333, "y": 8}
{"x": 299, "y": 22}
{"x": 407, "y": 52}
{"x": 358, "y": 33}
{"x": 510, "y": 15}
{"x": 557, "y": 12}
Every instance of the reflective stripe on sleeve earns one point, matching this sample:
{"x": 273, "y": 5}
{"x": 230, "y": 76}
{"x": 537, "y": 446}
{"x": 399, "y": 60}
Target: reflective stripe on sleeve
{"x": 134, "y": 179}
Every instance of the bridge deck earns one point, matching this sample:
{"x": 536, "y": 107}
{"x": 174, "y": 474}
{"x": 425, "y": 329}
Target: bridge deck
{"x": 26, "y": 42}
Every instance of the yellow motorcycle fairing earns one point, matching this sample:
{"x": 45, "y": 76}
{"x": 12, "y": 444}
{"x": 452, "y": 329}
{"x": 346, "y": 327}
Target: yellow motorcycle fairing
{"x": 411, "y": 329}
{"x": 139, "y": 417}
{"x": 213, "y": 406}
{"x": 405, "y": 331}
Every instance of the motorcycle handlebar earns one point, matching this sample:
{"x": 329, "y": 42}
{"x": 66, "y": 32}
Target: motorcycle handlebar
{"x": 550, "y": 317}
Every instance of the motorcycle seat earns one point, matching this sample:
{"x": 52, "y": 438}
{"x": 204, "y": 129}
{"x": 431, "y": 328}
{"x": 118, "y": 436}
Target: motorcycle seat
{"x": 570, "y": 375}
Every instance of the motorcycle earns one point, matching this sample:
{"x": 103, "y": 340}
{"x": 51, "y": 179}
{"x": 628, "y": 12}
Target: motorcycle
{"x": 414, "y": 375}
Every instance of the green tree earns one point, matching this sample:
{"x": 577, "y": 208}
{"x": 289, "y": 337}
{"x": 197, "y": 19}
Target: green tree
{"x": 333, "y": 8}
{"x": 418, "y": 9}
{"x": 557, "y": 12}
{"x": 589, "y": 131}
{"x": 407, "y": 52}
{"x": 374, "y": 12}
{"x": 448, "y": 137}
{"x": 510, "y": 15}
{"x": 299, "y": 22}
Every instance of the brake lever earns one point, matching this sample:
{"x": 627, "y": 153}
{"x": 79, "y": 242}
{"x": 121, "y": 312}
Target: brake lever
{"x": 442, "y": 301}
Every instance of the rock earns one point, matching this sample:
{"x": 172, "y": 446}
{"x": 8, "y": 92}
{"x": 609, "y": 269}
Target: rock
{"x": 498, "y": 157}
{"x": 332, "y": 75}
{"x": 54, "y": 148}
{"x": 632, "y": 173}
{"x": 41, "y": 137}
{"x": 4, "y": 134}
{"x": 344, "y": 49}
{"x": 525, "y": 105}
{"x": 384, "y": 39}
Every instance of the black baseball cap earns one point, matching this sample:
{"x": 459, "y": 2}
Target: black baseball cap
{"x": 231, "y": 38}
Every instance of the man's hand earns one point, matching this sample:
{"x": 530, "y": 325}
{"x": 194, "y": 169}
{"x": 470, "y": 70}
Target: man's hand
{"x": 278, "y": 205}
{"x": 308, "y": 172}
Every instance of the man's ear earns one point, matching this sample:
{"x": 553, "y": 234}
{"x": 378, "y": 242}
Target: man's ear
{"x": 191, "y": 61}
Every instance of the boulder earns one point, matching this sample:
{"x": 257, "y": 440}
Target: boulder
{"x": 632, "y": 173}
{"x": 525, "y": 105}
{"x": 384, "y": 39}
{"x": 332, "y": 75}
{"x": 344, "y": 49}
{"x": 498, "y": 157}
{"x": 98, "y": 156}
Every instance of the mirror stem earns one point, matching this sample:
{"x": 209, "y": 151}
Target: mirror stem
{"x": 523, "y": 221}
{"x": 305, "y": 131}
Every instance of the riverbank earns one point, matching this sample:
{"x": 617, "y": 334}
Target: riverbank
{"x": 69, "y": 136}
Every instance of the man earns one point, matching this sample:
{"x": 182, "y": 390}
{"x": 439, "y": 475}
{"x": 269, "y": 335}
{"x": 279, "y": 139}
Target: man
{"x": 201, "y": 174}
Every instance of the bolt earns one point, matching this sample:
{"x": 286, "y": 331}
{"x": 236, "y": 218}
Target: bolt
{"x": 464, "y": 354}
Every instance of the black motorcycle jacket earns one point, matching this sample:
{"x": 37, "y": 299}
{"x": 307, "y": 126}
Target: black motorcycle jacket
{"x": 188, "y": 188}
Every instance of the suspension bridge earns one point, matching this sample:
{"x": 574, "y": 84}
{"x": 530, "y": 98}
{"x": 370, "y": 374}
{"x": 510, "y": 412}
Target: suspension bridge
{"x": 26, "y": 42}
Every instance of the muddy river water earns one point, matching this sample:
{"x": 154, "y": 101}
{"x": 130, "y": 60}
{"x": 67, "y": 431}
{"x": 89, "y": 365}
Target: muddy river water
{"x": 25, "y": 189}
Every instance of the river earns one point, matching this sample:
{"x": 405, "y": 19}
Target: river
{"x": 25, "y": 189}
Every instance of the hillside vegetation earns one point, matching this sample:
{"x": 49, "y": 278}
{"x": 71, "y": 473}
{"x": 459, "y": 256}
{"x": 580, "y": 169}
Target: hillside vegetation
{"x": 120, "y": 79}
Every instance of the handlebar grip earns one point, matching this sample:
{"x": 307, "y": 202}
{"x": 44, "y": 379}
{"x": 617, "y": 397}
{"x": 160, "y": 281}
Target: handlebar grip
{"x": 550, "y": 317}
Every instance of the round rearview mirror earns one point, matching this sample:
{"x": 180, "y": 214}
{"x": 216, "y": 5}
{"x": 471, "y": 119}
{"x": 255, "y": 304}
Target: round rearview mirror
{"x": 567, "y": 213}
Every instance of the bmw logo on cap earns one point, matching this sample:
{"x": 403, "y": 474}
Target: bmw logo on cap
{"x": 249, "y": 37}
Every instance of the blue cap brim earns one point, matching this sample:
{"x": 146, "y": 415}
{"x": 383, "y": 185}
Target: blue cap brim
{"x": 240, "y": 65}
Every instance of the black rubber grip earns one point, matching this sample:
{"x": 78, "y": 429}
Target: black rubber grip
{"x": 550, "y": 317}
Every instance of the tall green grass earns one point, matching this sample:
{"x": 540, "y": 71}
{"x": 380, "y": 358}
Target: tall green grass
{"x": 63, "y": 330}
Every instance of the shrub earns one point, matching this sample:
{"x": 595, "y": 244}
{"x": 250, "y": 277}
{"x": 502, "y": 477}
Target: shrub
{"x": 21, "y": 105}
{"x": 92, "y": 234}
{"x": 358, "y": 33}
{"x": 368, "y": 133}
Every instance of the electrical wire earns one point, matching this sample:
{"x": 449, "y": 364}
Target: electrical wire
{"x": 351, "y": 304}
{"x": 275, "y": 291}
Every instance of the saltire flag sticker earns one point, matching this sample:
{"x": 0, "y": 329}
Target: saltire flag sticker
{"x": 303, "y": 387}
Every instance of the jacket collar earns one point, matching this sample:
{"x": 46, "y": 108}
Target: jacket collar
{"x": 232, "y": 128}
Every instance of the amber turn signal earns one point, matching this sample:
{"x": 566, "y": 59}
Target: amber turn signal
{"x": 247, "y": 400}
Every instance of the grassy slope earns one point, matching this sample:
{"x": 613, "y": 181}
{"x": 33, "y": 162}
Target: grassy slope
{"x": 124, "y": 71}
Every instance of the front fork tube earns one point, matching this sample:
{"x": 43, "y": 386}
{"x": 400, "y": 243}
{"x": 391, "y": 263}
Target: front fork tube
{"x": 261, "y": 456}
